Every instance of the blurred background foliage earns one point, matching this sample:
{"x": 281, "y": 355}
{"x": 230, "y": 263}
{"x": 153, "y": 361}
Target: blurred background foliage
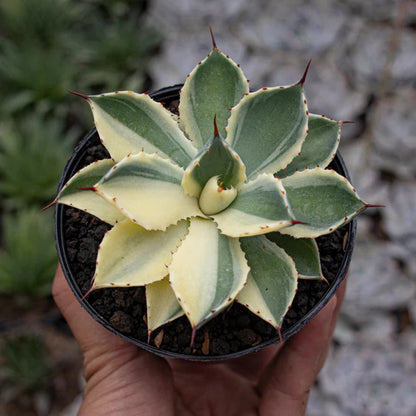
{"x": 48, "y": 47}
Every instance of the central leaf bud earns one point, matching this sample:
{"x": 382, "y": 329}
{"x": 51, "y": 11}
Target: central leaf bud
{"x": 215, "y": 198}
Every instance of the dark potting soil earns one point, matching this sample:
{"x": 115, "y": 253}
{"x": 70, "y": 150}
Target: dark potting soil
{"x": 232, "y": 331}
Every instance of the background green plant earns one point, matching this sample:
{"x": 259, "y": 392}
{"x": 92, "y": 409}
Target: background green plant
{"x": 48, "y": 47}
{"x": 32, "y": 180}
{"x": 24, "y": 362}
{"x": 28, "y": 257}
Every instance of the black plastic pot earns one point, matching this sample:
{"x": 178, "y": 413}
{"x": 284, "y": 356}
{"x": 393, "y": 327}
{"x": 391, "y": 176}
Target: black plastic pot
{"x": 75, "y": 163}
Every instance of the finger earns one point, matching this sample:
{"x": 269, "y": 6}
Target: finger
{"x": 87, "y": 331}
{"x": 253, "y": 365}
{"x": 339, "y": 297}
{"x": 118, "y": 373}
{"x": 291, "y": 374}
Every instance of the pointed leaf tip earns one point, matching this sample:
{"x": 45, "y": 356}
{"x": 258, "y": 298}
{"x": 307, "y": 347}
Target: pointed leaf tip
{"x": 49, "y": 205}
{"x": 89, "y": 291}
{"x": 215, "y": 126}
{"x": 86, "y": 97}
{"x": 341, "y": 122}
{"x": 214, "y": 45}
{"x": 279, "y": 333}
{"x": 87, "y": 188}
{"x": 323, "y": 279}
{"x": 373, "y": 206}
{"x": 302, "y": 80}
{"x": 294, "y": 222}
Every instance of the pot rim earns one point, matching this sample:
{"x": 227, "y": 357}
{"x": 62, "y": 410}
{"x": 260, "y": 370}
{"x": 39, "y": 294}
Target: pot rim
{"x": 73, "y": 165}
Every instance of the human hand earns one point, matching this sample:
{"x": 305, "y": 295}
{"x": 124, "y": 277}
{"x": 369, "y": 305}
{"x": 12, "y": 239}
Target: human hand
{"x": 122, "y": 379}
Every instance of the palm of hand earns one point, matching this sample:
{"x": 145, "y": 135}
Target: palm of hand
{"x": 125, "y": 380}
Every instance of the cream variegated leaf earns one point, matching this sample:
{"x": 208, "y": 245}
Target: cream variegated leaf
{"x": 272, "y": 282}
{"x": 147, "y": 189}
{"x": 128, "y": 122}
{"x": 268, "y": 127}
{"x": 211, "y": 89}
{"x": 129, "y": 255}
{"x": 214, "y": 198}
{"x": 162, "y": 305}
{"x": 217, "y": 158}
{"x": 261, "y": 206}
{"x": 72, "y": 195}
{"x": 322, "y": 199}
{"x": 207, "y": 271}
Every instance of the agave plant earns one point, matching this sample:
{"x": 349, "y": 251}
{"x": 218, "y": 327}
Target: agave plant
{"x": 193, "y": 199}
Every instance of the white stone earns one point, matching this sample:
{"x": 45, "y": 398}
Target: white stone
{"x": 399, "y": 219}
{"x": 394, "y": 134}
{"x": 374, "y": 9}
{"x": 364, "y": 177}
{"x": 375, "y": 282}
{"x": 376, "y": 326}
{"x": 372, "y": 378}
{"x": 305, "y": 27}
{"x": 400, "y": 212}
{"x": 181, "y": 54}
{"x": 329, "y": 93}
{"x": 369, "y": 56}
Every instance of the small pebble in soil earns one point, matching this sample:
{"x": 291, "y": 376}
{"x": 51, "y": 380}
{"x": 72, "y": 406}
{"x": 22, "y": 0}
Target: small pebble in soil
{"x": 122, "y": 322}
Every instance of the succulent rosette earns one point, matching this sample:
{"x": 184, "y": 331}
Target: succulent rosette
{"x": 220, "y": 204}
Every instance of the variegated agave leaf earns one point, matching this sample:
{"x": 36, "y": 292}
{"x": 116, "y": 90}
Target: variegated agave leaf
{"x": 191, "y": 200}
{"x": 322, "y": 199}
{"x": 319, "y": 147}
{"x": 215, "y": 86}
{"x": 73, "y": 195}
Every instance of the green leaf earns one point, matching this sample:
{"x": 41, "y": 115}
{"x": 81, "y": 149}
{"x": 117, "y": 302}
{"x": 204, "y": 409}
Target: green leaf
{"x": 27, "y": 181}
{"x": 216, "y": 159}
{"x": 89, "y": 201}
{"x": 277, "y": 119}
{"x": 207, "y": 271}
{"x": 319, "y": 147}
{"x": 261, "y": 206}
{"x": 212, "y": 88}
{"x": 321, "y": 198}
{"x": 129, "y": 255}
{"x": 304, "y": 251}
{"x": 162, "y": 305}
{"x": 272, "y": 282}
{"x": 27, "y": 255}
{"x": 24, "y": 361}
{"x": 128, "y": 122}
{"x": 147, "y": 189}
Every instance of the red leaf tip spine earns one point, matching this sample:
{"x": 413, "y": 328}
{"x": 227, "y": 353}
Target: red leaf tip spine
{"x": 86, "y": 97}
{"x": 49, "y": 205}
{"x": 216, "y": 133}
{"x": 214, "y": 44}
{"x": 303, "y": 79}
{"x": 87, "y": 188}
{"x": 294, "y": 222}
